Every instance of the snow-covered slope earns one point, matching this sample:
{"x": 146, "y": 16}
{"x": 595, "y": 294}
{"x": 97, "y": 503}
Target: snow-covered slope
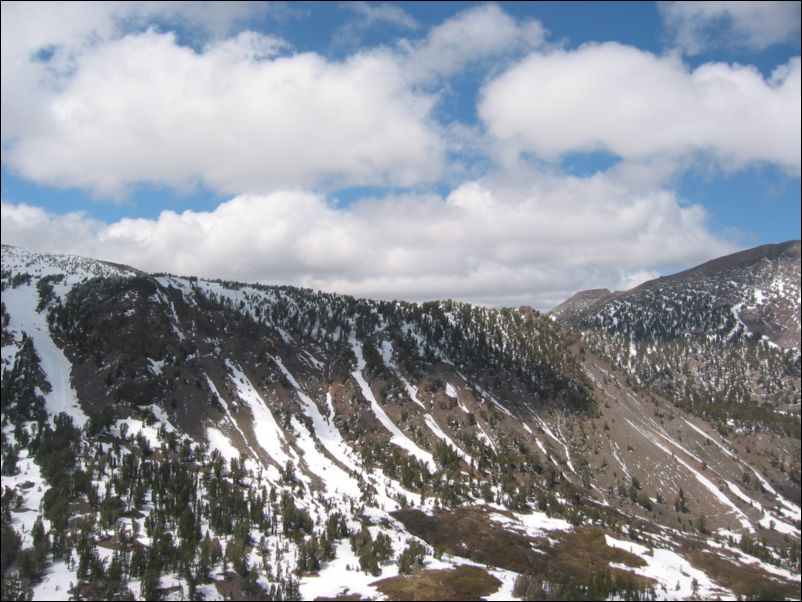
{"x": 320, "y": 442}
{"x": 42, "y": 276}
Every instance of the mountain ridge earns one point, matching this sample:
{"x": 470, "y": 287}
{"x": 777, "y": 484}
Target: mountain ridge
{"x": 759, "y": 270}
{"x": 422, "y": 429}
{"x": 771, "y": 251}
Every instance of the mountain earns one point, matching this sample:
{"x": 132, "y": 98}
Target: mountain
{"x": 720, "y": 339}
{"x": 573, "y": 308}
{"x": 168, "y": 437}
{"x": 754, "y": 292}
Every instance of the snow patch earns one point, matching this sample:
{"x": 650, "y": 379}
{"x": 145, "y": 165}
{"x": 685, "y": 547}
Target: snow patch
{"x": 412, "y": 391}
{"x": 23, "y": 519}
{"x": 231, "y": 419}
{"x": 559, "y": 440}
{"x": 438, "y": 432}
{"x": 135, "y": 427}
{"x": 775, "y": 524}
{"x": 398, "y": 437}
{"x": 217, "y": 440}
{"x": 787, "y": 508}
{"x": 336, "y": 480}
{"x": 535, "y": 524}
{"x": 56, "y": 583}
{"x": 675, "y": 574}
{"x": 386, "y": 350}
{"x": 342, "y": 575}
{"x": 155, "y": 367}
{"x": 268, "y": 433}
{"x": 325, "y": 430}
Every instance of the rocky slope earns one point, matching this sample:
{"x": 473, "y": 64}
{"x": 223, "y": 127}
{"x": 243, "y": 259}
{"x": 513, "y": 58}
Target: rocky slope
{"x": 227, "y": 440}
{"x": 721, "y": 339}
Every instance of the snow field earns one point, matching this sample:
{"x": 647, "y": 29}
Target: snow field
{"x": 20, "y": 304}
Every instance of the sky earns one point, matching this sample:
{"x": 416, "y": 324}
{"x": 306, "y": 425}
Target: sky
{"x": 498, "y": 153}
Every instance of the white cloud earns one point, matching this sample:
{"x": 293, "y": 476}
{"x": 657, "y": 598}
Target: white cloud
{"x": 697, "y": 26}
{"x": 65, "y": 30}
{"x": 382, "y": 13}
{"x": 70, "y": 26}
{"x": 642, "y": 107}
{"x": 239, "y": 114}
{"x": 23, "y": 225}
{"x": 472, "y": 35}
{"x": 492, "y": 241}
{"x": 633, "y": 279}
{"x": 369, "y": 16}
{"x": 233, "y": 116}
{"x": 109, "y": 104}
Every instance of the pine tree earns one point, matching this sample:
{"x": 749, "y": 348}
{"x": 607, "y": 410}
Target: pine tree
{"x": 151, "y": 580}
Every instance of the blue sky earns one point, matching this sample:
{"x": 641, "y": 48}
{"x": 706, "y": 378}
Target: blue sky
{"x": 501, "y": 153}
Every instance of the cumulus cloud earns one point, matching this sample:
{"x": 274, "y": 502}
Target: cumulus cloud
{"x": 233, "y": 116}
{"x": 94, "y": 99}
{"x": 68, "y": 27}
{"x": 697, "y": 26}
{"x": 490, "y": 241}
{"x": 62, "y": 31}
{"x": 640, "y": 106}
{"x": 23, "y": 225}
{"x": 473, "y": 35}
